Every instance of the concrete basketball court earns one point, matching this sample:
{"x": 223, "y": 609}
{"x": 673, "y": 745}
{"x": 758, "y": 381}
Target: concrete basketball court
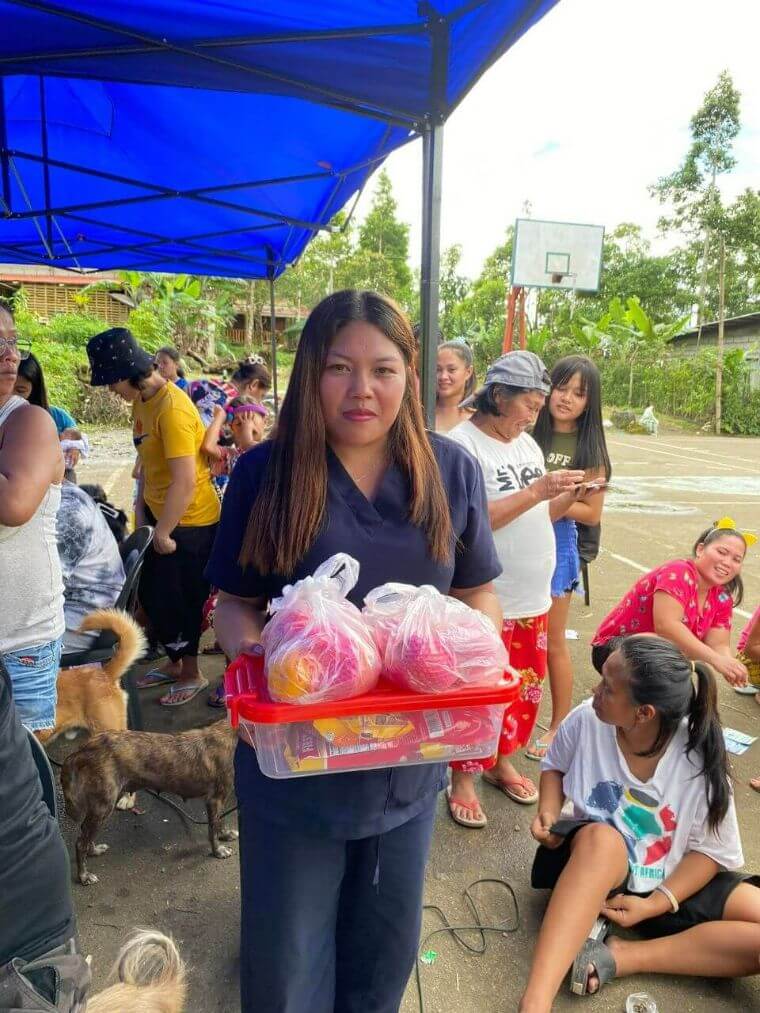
{"x": 158, "y": 873}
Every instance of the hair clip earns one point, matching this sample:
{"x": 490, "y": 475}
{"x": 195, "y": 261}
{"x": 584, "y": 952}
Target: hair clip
{"x": 729, "y": 524}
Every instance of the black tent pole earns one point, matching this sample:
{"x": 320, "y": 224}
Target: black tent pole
{"x": 273, "y": 335}
{"x": 432, "y": 165}
{"x": 6, "y": 176}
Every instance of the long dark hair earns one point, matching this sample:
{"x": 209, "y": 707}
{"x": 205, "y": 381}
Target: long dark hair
{"x": 31, "y": 370}
{"x": 734, "y": 587}
{"x": 591, "y": 449}
{"x": 660, "y": 675}
{"x": 289, "y": 510}
{"x": 173, "y": 354}
{"x": 464, "y": 352}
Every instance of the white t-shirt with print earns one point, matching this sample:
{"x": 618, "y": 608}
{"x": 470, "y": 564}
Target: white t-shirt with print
{"x": 661, "y": 819}
{"x": 526, "y": 546}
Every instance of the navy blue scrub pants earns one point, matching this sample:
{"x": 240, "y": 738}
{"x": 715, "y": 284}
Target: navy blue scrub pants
{"x": 329, "y": 926}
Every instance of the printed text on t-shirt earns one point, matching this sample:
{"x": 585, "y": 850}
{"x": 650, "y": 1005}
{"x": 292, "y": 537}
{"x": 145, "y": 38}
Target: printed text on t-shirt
{"x": 509, "y": 478}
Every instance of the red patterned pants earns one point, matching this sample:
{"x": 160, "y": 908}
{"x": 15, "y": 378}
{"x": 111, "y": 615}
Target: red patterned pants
{"x": 525, "y": 640}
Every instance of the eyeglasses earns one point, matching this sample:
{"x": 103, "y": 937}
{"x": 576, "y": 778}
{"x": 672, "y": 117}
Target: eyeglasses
{"x": 23, "y": 349}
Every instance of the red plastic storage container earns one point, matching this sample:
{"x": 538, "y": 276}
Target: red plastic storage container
{"x": 386, "y": 728}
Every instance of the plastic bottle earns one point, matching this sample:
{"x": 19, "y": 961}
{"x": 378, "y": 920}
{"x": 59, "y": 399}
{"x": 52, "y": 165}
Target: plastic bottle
{"x": 640, "y": 1002}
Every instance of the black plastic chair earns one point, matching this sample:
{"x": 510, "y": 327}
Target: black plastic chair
{"x": 132, "y": 552}
{"x": 45, "y": 771}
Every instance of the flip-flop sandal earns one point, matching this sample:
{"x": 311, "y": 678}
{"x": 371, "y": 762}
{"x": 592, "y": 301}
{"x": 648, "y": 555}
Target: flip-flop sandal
{"x": 595, "y": 953}
{"x": 217, "y": 697}
{"x": 472, "y": 822}
{"x": 754, "y": 783}
{"x": 181, "y": 695}
{"x": 538, "y": 750}
{"x": 155, "y": 677}
{"x": 748, "y": 690}
{"x": 507, "y": 789}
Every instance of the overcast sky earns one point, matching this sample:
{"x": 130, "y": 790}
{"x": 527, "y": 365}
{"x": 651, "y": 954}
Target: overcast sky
{"x": 586, "y": 111}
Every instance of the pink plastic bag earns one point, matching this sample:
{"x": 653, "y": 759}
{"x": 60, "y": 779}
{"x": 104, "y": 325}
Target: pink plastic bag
{"x": 432, "y": 643}
{"x": 317, "y": 644}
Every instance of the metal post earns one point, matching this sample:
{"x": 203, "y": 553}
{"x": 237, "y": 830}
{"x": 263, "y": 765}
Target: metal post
{"x": 45, "y": 165}
{"x": 273, "y": 336}
{"x": 4, "y": 157}
{"x": 432, "y": 166}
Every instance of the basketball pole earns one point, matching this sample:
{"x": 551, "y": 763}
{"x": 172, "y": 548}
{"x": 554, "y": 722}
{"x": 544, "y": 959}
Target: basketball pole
{"x": 515, "y": 305}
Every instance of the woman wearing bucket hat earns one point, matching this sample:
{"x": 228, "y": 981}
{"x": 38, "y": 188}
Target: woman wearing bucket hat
{"x": 523, "y": 499}
{"x": 175, "y": 495}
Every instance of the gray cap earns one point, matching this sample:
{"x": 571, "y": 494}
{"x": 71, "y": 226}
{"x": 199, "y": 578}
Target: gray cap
{"x": 515, "y": 369}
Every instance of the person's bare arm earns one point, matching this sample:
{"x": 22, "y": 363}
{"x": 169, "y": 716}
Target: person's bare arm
{"x": 551, "y": 798}
{"x": 503, "y": 511}
{"x": 238, "y": 622}
{"x": 587, "y": 509}
{"x": 30, "y": 462}
{"x": 692, "y": 873}
{"x": 668, "y": 623}
{"x": 210, "y": 445}
{"x": 483, "y": 598}
{"x": 178, "y": 498}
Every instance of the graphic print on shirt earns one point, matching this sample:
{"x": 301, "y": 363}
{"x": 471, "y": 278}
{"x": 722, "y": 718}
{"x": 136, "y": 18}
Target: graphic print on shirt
{"x": 646, "y": 827}
{"x": 558, "y": 460}
{"x": 510, "y": 478}
{"x": 137, "y": 433}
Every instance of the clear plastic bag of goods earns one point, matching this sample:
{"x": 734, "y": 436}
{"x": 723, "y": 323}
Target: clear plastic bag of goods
{"x": 432, "y": 643}
{"x": 317, "y": 644}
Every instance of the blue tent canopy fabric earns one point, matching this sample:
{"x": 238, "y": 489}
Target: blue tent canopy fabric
{"x": 209, "y": 137}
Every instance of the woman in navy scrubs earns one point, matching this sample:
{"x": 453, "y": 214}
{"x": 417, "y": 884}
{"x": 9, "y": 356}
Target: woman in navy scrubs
{"x": 332, "y": 867}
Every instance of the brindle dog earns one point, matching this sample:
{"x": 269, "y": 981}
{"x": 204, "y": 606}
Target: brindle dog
{"x": 192, "y": 764}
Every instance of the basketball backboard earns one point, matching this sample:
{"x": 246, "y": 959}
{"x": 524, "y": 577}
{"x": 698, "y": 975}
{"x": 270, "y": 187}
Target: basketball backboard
{"x": 557, "y": 255}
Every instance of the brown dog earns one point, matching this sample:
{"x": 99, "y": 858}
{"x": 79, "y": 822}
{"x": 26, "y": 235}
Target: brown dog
{"x": 91, "y": 696}
{"x": 193, "y": 764}
{"x": 150, "y": 978}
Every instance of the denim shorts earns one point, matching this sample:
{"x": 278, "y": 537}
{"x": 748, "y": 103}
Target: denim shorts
{"x": 567, "y": 570}
{"x": 34, "y": 673}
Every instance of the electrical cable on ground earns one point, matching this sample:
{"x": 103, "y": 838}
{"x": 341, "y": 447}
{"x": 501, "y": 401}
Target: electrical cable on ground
{"x": 503, "y": 928}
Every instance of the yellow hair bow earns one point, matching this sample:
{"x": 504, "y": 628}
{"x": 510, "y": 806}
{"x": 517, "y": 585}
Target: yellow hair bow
{"x": 729, "y": 524}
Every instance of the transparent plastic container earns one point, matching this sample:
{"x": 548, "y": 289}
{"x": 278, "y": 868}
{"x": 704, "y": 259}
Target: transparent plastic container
{"x": 386, "y": 728}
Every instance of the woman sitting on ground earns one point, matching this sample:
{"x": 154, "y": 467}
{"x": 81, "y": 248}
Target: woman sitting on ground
{"x": 688, "y": 601}
{"x": 653, "y": 840}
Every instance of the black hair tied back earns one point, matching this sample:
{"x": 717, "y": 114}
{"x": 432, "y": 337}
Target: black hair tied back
{"x": 661, "y": 676}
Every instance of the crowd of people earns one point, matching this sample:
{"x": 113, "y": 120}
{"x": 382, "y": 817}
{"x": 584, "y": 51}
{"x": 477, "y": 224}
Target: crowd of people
{"x": 635, "y": 823}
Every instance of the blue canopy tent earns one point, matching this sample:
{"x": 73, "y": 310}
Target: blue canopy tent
{"x": 209, "y": 137}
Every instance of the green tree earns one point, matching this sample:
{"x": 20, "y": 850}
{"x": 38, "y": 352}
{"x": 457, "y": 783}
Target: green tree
{"x": 454, "y": 287}
{"x": 382, "y": 234}
{"x": 692, "y": 192}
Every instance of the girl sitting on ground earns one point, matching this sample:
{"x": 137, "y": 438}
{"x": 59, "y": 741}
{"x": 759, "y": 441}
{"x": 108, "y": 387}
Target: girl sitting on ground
{"x": 688, "y": 601}
{"x": 653, "y": 840}
{"x": 569, "y": 430}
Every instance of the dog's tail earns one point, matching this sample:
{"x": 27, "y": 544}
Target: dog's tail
{"x": 132, "y": 643}
{"x": 151, "y": 978}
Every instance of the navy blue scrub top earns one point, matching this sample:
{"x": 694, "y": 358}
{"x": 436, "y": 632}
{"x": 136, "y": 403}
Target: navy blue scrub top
{"x": 388, "y": 547}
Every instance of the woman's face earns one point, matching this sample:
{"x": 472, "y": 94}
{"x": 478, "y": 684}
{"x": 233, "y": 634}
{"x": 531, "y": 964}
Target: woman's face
{"x": 453, "y": 375}
{"x": 721, "y": 559}
{"x": 125, "y": 390}
{"x": 612, "y": 701}
{"x": 23, "y": 387}
{"x": 519, "y": 413}
{"x": 568, "y": 400}
{"x": 9, "y": 357}
{"x": 362, "y": 386}
{"x": 166, "y": 366}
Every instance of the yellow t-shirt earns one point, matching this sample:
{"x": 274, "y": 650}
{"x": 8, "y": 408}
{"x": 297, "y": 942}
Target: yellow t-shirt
{"x": 163, "y": 427}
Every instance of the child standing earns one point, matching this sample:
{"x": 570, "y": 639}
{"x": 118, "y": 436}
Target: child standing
{"x": 569, "y": 430}
{"x": 246, "y": 418}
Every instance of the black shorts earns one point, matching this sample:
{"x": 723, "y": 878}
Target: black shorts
{"x": 706, "y": 905}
